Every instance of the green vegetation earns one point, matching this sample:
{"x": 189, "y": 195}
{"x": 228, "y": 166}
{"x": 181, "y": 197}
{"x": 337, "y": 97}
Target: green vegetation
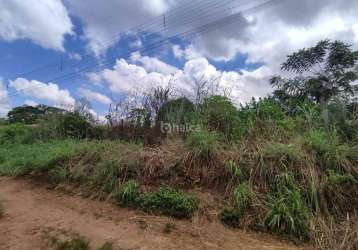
{"x": 168, "y": 201}
{"x": 286, "y": 163}
{"x": 288, "y": 213}
{"x": 77, "y": 243}
{"x": 127, "y": 194}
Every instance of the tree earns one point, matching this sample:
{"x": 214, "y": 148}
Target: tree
{"x": 30, "y": 115}
{"x": 323, "y": 72}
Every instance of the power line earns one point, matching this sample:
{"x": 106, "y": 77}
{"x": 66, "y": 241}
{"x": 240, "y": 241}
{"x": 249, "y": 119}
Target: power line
{"x": 185, "y": 35}
{"x": 142, "y": 27}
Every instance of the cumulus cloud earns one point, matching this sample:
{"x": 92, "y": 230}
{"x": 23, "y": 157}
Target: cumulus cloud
{"x": 94, "y": 96}
{"x": 44, "y": 91}
{"x": 45, "y": 22}
{"x": 153, "y": 64}
{"x": 125, "y": 77}
{"x": 30, "y": 103}
{"x": 4, "y": 100}
{"x": 104, "y": 21}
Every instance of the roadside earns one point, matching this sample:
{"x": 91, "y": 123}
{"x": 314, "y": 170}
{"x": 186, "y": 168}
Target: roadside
{"x": 34, "y": 215}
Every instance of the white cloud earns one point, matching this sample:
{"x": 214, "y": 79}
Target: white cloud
{"x": 4, "y": 100}
{"x": 103, "y": 21}
{"x": 45, "y": 22}
{"x": 44, "y": 91}
{"x": 30, "y": 103}
{"x": 152, "y": 64}
{"x": 75, "y": 56}
{"x": 125, "y": 77}
{"x": 94, "y": 96}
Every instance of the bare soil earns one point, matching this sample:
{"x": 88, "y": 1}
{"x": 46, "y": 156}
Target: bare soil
{"x": 35, "y": 214}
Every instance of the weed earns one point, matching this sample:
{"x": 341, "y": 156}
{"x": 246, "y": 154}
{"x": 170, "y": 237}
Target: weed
{"x": 335, "y": 178}
{"x": 168, "y": 228}
{"x": 168, "y": 201}
{"x": 127, "y": 194}
{"x": 231, "y": 216}
{"x": 77, "y": 243}
{"x": 242, "y": 196}
{"x": 106, "y": 246}
{"x": 203, "y": 143}
{"x": 233, "y": 169}
{"x": 287, "y": 213}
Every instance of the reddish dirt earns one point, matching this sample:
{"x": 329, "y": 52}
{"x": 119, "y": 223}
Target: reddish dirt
{"x": 34, "y": 214}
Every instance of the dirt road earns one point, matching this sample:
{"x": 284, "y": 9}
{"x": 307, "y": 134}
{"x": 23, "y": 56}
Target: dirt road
{"x": 34, "y": 215}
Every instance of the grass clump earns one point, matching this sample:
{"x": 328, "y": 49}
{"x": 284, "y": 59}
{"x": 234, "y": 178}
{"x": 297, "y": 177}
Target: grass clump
{"x": 287, "y": 213}
{"x": 168, "y": 201}
{"x": 127, "y": 194}
{"x": 77, "y": 243}
{"x": 106, "y": 246}
{"x": 203, "y": 143}
{"x": 231, "y": 215}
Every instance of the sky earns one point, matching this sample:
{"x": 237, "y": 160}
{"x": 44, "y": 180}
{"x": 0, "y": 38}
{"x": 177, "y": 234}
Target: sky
{"x": 55, "y": 52}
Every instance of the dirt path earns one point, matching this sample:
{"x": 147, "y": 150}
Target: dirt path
{"x": 34, "y": 214}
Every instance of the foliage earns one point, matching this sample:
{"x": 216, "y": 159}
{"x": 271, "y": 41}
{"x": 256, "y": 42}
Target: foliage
{"x": 203, "y": 143}
{"x": 168, "y": 201}
{"x": 20, "y": 159}
{"x": 177, "y": 111}
{"x": 324, "y": 71}
{"x": 219, "y": 114}
{"x": 30, "y": 115}
{"x": 231, "y": 216}
{"x": 287, "y": 213}
{"x": 127, "y": 194}
{"x": 16, "y": 133}
{"x": 77, "y": 243}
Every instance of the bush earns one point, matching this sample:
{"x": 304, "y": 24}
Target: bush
{"x": 287, "y": 213}
{"x": 242, "y": 197}
{"x": 20, "y": 159}
{"x": 329, "y": 151}
{"x": 203, "y": 143}
{"x": 77, "y": 243}
{"x": 219, "y": 114}
{"x": 168, "y": 201}
{"x": 231, "y": 215}
{"x": 16, "y": 133}
{"x": 127, "y": 194}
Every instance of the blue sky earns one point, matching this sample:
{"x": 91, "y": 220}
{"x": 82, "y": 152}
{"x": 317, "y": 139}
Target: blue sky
{"x": 70, "y": 45}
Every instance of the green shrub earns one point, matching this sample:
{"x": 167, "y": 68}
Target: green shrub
{"x": 127, "y": 194}
{"x": 233, "y": 169}
{"x": 168, "y": 201}
{"x": 287, "y": 213}
{"x": 106, "y": 246}
{"x": 283, "y": 152}
{"x": 242, "y": 196}
{"x": 203, "y": 143}
{"x": 18, "y": 159}
{"x": 334, "y": 178}
{"x": 219, "y": 114}
{"x": 16, "y": 133}
{"x": 329, "y": 151}
{"x": 231, "y": 216}
{"x": 77, "y": 243}
{"x": 59, "y": 174}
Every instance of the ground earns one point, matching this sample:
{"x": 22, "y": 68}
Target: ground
{"x": 35, "y": 214}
